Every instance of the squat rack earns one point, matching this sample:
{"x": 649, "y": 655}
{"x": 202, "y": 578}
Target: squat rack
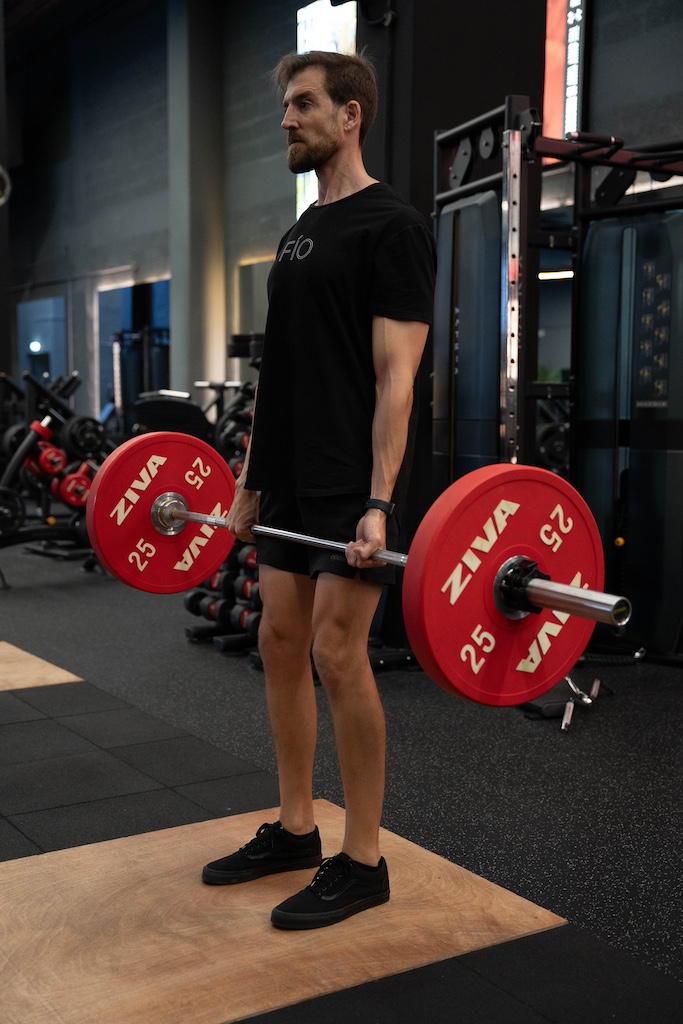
{"x": 511, "y": 136}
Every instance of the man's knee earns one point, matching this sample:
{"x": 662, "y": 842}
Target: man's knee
{"x": 282, "y": 637}
{"x": 339, "y": 657}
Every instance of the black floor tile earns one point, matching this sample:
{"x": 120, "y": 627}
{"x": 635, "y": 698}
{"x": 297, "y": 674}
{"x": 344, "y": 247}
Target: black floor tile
{"x": 99, "y": 820}
{"x": 69, "y": 699}
{"x": 13, "y": 844}
{"x": 235, "y": 795}
{"x": 120, "y": 727}
{"x": 573, "y": 978}
{"x": 179, "y": 762}
{"x": 444, "y": 993}
{"x": 13, "y": 709}
{"x": 562, "y": 976}
{"x": 39, "y": 741}
{"x": 60, "y": 782}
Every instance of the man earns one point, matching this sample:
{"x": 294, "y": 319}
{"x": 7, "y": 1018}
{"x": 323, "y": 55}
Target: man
{"x": 350, "y": 300}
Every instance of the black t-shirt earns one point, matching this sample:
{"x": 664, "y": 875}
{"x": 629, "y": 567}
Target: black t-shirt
{"x": 370, "y": 254}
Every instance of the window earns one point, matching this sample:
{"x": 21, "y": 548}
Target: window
{"x": 320, "y": 26}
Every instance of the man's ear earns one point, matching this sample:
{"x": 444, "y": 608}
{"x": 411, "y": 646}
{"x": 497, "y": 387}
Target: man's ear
{"x": 353, "y": 116}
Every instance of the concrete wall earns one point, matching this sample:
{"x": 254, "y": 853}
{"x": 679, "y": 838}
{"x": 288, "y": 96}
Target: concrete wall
{"x": 89, "y": 204}
{"x": 259, "y": 188}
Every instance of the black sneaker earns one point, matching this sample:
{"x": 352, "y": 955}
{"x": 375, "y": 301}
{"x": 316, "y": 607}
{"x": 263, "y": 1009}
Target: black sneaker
{"x": 340, "y": 888}
{"x": 273, "y": 849}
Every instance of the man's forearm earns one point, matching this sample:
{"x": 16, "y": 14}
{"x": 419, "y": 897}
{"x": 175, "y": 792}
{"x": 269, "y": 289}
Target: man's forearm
{"x": 389, "y": 435}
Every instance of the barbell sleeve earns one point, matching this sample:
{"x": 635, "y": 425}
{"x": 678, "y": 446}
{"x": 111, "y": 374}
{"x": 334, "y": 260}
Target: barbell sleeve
{"x": 171, "y": 512}
{"x": 586, "y": 604}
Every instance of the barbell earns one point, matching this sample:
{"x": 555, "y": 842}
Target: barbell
{"x": 503, "y": 580}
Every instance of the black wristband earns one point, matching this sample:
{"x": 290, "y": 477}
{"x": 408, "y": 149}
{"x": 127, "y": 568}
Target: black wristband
{"x": 383, "y": 506}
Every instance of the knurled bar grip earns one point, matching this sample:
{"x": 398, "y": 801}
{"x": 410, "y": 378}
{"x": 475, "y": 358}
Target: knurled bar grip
{"x": 391, "y": 557}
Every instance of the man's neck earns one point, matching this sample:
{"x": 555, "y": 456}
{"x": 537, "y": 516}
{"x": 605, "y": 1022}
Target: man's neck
{"x": 337, "y": 181}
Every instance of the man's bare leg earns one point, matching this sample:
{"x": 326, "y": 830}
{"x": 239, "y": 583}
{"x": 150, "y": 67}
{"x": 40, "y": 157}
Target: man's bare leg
{"x": 285, "y": 647}
{"x": 342, "y": 615}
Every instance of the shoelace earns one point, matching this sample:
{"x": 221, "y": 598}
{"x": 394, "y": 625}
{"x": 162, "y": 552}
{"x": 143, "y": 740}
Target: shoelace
{"x": 329, "y": 872}
{"x": 259, "y": 840}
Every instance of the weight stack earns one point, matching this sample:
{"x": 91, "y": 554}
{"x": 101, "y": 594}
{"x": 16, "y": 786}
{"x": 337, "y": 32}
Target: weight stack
{"x": 629, "y": 423}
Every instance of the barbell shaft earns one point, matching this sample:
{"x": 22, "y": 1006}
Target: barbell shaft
{"x": 392, "y": 557}
{"x": 585, "y": 604}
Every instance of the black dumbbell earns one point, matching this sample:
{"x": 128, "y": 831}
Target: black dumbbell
{"x": 238, "y": 441}
{"x": 192, "y": 600}
{"x": 236, "y": 465}
{"x": 247, "y": 589}
{"x": 217, "y": 609}
{"x": 246, "y": 557}
{"x": 244, "y": 618}
{"x": 222, "y": 582}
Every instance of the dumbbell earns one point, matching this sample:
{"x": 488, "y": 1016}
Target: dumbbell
{"x": 222, "y": 582}
{"x": 217, "y": 609}
{"x": 239, "y": 440}
{"x": 247, "y": 589}
{"x": 49, "y": 461}
{"x": 73, "y": 488}
{"x": 244, "y": 618}
{"x": 192, "y": 600}
{"x": 232, "y": 432}
{"x": 246, "y": 557}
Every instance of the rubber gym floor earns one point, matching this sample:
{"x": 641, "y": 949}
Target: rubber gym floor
{"x": 536, "y": 873}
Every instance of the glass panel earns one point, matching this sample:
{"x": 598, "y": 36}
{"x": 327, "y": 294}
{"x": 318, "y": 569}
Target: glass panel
{"x": 41, "y": 329}
{"x": 161, "y": 304}
{"x": 115, "y": 314}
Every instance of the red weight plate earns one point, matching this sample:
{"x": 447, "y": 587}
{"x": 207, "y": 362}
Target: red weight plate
{"x": 461, "y": 639}
{"x": 118, "y": 512}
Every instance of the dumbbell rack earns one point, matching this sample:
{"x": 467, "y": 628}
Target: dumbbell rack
{"x": 230, "y": 603}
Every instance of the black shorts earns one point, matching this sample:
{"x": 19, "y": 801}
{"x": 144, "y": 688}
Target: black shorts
{"x": 331, "y": 517}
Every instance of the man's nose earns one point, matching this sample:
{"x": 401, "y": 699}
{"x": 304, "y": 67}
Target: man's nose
{"x": 288, "y": 121}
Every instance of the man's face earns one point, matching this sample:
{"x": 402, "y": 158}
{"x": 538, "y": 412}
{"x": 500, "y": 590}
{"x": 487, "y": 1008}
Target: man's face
{"x": 312, "y": 122}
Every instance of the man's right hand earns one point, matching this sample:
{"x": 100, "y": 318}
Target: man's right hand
{"x": 243, "y": 514}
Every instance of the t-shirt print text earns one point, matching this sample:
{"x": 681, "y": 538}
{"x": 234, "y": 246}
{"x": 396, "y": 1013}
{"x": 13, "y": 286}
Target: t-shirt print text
{"x": 298, "y": 248}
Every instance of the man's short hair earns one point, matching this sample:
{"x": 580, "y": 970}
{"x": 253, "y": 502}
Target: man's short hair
{"x": 347, "y": 77}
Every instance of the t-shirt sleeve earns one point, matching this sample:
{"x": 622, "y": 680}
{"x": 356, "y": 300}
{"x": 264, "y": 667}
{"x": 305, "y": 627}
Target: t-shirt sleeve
{"x": 403, "y": 275}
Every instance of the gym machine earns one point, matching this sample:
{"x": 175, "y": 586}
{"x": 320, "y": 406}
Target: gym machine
{"x": 627, "y": 354}
{"x": 617, "y": 436}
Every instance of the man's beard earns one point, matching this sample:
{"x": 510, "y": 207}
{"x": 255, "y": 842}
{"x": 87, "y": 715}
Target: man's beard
{"x": 306, "y": 156}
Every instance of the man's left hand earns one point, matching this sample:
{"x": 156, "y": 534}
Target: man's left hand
{"x": 371, "y": 534}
